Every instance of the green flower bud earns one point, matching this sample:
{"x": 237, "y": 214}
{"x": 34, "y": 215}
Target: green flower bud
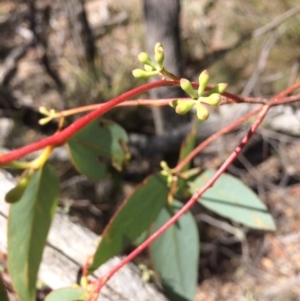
{"x": 139, "y": 73}
{"x": 203, "y": 81}
{"x": 159, "y": 55}
{"x": 174, "y": 103}
{"x": 202, "y": 112}
{"x": 16, "y": 193}
{"x": 165, "y": 173}
{"x": 169, "y": 180}
{"x": 164, "y": 165}
{"x": 213, "y": 99}
{"x": 219, "y": 88}
{"x": 45, "y": 120}
{"x": 146, "y": 60}
{"x": 186, "y": 86}
{"x": 43, "y": 111}
{"x": 184, "y": 106}
{"x": 149, "y": 68}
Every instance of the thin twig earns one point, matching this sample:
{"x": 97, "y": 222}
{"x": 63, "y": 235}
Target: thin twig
{"x": 264, "y": 54}
{"x": 274, "y": 23}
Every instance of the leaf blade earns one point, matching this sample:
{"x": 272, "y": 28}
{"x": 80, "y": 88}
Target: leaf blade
{"x": 28, "y": 225}
{"x": 231, "y": 198}
{"x": 175, "y": 254}
{"x": 134, "y": 216}
{"x": 97, "y": 144}
{"x": 68, "y": 294}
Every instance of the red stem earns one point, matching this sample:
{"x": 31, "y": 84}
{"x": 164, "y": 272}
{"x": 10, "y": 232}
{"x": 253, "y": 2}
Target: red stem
{"x": 212, "y": 138}
{"x": 67, "y": 133}
{"x": 100, "y": 283}
{"x": 264, "y": 109}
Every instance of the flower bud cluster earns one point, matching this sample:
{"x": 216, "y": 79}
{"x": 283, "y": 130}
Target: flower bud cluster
{"x": 150, "y": 68}
{"x": 50, "y": 115}
{"x": 199, "y": 97}
{"x": 167, "y": 172}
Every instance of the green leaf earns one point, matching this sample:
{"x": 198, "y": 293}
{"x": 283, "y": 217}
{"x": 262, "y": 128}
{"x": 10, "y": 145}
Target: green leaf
{"x": 134, "y": 216}
{"x": 28, "y": 225}
{"x": 99, "y": 143}
{"x": 231, "y": 198}
{"x": 3, "y": 293}
{"x": 68, "y": 294}
{"x": 175, "y": 254}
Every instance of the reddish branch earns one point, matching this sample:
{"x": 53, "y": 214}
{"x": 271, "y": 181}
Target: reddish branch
{"x": 62, "y": 137}
{"x": 263, "y": 111}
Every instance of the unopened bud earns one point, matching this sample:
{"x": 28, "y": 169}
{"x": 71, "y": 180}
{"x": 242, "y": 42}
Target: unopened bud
{"x": 45, "y": 120}
{"x": 144, "y": 58}
{"x": 219, "y": 88}
{"x": 203, "y": 81}
{"x": 159, "y": 54}
{"x": 213, "y": 99}
{"x": 43, "y": 111}
{"x": 186, "y": 86}
{"x": 202, "y": 112}
{"x": 149, "y": 68}
{"x": 184, "y": 106}
{"x": 139, "y": 73}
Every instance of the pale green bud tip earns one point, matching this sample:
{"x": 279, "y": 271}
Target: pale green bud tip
{"x": 184, "y": 106}
{"x": 158, "y": 47}
{"x": 139, "y": 73}
{"x": 214, "y": 99}
{"x": 222, "y": 87}
{"x": 144, "y": 58}
{"x": 52, "y": 112}
{"x": 186, "y": 86}
{"x": 164, "y": 165}
{"x": 219, "y": 88}
{"x": 149, "y": 68}
{"x": 203, "y": 81}
{"x": 202, "y": 112}
{"x": 45, "y": 120}
{"x": 159, "y": 54}
{"x": 43, "y": 111}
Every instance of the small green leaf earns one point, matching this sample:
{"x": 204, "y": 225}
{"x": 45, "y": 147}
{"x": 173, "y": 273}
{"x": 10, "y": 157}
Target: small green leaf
{"x": 231, "y": 198}
{"x": 68, "y": 294}
{"x": 175, "y": 254}
{"x": 3, "y": 293}
{"x": 100, "y": 142}
{"x": 134, "y": 216}
{"x": 28, "y": 225}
